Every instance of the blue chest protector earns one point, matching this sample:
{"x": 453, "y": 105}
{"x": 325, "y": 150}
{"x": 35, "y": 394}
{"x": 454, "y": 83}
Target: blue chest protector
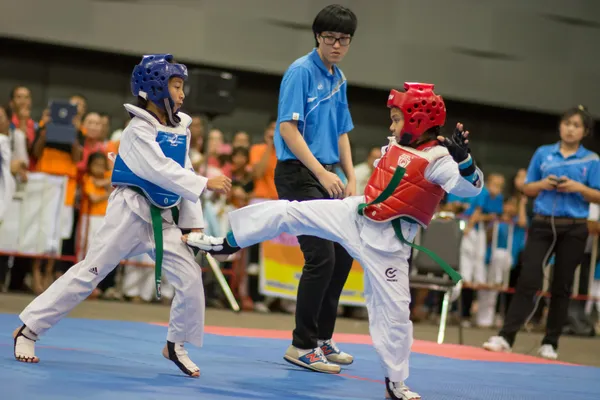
{"x": 173, "y": 143}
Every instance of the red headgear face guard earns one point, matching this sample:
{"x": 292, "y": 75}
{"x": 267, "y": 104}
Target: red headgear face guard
{"x": 421, "y": 107}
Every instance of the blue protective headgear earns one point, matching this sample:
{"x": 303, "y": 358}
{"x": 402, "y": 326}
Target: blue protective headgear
{"x": 150, "y": 80}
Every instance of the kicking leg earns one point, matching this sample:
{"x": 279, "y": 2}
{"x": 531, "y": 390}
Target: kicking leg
{"x": 328, "y": 219}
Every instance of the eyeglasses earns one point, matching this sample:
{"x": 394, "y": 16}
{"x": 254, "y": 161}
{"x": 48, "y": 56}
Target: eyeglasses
{"x": 330, "y": 40}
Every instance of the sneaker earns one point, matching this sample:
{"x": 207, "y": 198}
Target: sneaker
{"x": 261, "y": 308}
{"x": 313, "y": 359}
{"x": 497, "y": 344}
{"x": 334, "y": 354}
{"x": 399, "y": 391}
{"x": 548, "y": 352}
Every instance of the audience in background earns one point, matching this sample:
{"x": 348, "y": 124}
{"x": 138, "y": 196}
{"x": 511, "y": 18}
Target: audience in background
{"x": 87, "y": 166}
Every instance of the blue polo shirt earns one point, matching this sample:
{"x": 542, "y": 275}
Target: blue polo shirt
{"x": 583, "y": 166}
{"x": 492, "y": 205}
{"x": 316, "y": 99}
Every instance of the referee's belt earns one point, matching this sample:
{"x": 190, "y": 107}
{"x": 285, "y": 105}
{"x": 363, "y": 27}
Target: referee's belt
{"x": 328, "y": 167}
{"x": 559, "y": 220}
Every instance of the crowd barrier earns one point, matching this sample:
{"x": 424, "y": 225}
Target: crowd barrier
{"x": 36, "y": 225}
{"x": 34, "y": 228}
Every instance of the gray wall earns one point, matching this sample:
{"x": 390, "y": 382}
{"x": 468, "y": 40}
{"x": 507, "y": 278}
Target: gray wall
{"x": 503, "y": 139}
{"x": 532, "y": 54}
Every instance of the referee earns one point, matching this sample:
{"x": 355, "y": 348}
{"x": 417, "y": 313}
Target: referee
{"x": 310, "y": 138}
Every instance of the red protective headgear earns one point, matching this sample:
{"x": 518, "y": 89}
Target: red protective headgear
{"x": 422, "y": 109}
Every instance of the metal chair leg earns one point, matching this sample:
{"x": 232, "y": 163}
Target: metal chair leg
{"x": 460, "y": 325}
{"x": 443, "y": 317}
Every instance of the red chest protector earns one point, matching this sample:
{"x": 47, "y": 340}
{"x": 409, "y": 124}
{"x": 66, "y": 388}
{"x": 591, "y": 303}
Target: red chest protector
{"x": 414, "y": 197}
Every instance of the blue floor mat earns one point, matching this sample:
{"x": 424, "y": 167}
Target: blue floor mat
{"x": 93, "y": 359}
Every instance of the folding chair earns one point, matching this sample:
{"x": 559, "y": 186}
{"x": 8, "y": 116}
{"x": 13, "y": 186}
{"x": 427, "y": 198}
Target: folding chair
{"x": 443, "y": 237}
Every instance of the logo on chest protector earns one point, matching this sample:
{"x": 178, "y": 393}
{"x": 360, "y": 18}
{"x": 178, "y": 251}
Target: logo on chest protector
{"x": 173, "y": 140}
{"x": 404, "y": 160}
{"x": 390, "y": 274}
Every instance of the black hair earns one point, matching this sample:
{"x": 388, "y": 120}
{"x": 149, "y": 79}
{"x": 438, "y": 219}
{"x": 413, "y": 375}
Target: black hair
{"x": 80, "y": 96}
{"x": 334, "y": 18}
{"x": 95, "y": 156}
{"x": 588, "y": 121}
{"x": 429, "y": 135}
{"x": 13, "y": 91}
{"x": 271, "y": 119}
{"x": 7, "y": 111}
{"x": 240, "y": 150}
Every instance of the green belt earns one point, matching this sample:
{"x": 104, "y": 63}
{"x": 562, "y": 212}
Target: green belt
{"x": 396, "y": 223}
{"x": 155, "y": 214}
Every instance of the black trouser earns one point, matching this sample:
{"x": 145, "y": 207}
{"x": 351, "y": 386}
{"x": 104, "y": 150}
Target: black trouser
{"x": 570, "y": 244}
{"x": 326, "y": 264}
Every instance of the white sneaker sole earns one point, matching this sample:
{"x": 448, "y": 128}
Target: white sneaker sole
{"x": 495, "y": 348}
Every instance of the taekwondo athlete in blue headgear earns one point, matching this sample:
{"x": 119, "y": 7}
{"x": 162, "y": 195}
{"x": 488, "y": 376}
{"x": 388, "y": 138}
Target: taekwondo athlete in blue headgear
{"x": 157, "y": 195}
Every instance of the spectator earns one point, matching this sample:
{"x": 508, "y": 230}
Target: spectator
{"x": 81, "y": 102}
{"x": 17, "y": 143}
{"x": 20, "y": 105}
{"x": 7, "y": 181}
{"x": 91, "y": 131}
{"x": 58, "y": 159}
{"x": 96, "y": 189}
{"x": 105, "y": 121}
{"x": 240, "y": 169}
{"x": 241, "y": 139}
{"x": 502, "y": 254}
{"x": 197, "y": 142}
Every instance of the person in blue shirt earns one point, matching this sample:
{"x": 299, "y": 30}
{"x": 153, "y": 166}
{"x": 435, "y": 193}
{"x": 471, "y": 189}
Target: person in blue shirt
{"x": 485, "y": 208}
{"x": 564, "y": 178}
{"x": 311, "y": 137}
{"x": 507, "y": 240}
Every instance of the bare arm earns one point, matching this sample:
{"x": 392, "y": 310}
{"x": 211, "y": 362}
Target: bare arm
{"x": 294, "y": 140}
{"x": 258, "y": 170}
{"x": 522, "y": 217}
{"x": 346, "y": 163}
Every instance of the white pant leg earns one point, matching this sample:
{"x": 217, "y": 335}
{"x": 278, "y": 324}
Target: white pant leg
{"x": 123, "y": 233}
{"x": 131, "y": 279}
{"x": 468, "y": 252}
{"x": 167, "y": 290}
{"x": 186, "y": 323}
{"x": 387, "y": 296}
{"x": 146, "y": 281}
{"x": 589, "y": 304}
{"x": 333, "y": 220}
{"x": 500, "y": 261}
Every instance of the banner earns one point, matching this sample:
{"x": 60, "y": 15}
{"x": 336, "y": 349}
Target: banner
{"x": 281, "y": 266}
{"x": 31, "y": 222}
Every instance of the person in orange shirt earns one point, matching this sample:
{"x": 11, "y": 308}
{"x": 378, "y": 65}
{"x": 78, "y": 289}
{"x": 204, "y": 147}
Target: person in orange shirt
{"x": 262, "y": 162}
{"x": 96, "y": 190}
{"x": 57, "y": 159}
{"x": 91, "y": 127}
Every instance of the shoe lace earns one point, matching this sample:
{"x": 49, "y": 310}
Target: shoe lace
{"x": 319, "y": 353}
{"x": 333, "y": 345}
